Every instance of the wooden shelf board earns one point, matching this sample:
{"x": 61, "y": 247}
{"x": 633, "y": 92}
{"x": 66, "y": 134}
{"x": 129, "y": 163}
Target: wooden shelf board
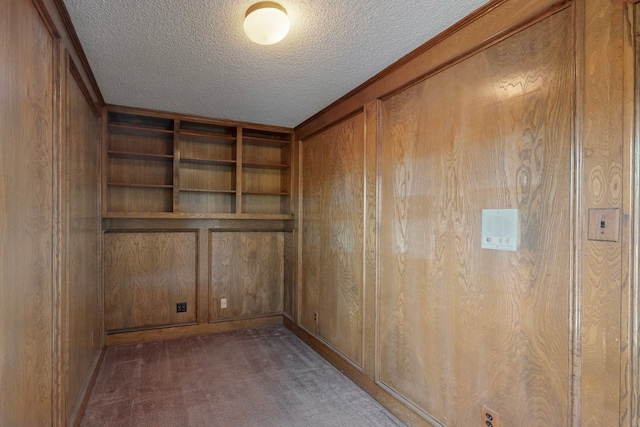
{"x": 126, "y": 184}
{"x": 187, "y": 215}
{"x": 257, "y": 165}
{"x": 207, "y": 161}
{"x": 204, "y": 190}
{"x": 139, "y": 156}
{"x": 265, "y": 193}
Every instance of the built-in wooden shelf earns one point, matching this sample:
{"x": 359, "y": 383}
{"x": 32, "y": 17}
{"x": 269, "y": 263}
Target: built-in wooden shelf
{"x": 212, "y": 168}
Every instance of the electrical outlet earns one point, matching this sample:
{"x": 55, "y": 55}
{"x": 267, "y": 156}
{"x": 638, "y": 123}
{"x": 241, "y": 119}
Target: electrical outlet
{"x": 223, "y": 303}
{"x": 489, "y": 417}
{"x": 181, "y": 307}
{"x": 315, "y": 317}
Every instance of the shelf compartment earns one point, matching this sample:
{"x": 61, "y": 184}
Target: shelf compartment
{"x": 129, "y": 130}
{"x": 137, "y": 125}
{"x": 208, "y": 132}
{"x": 137, "y": 198}
{"x": 266, "y": 203}
{"x": 141, "y": 172}
{"x": 264, "y": 138}
{"x": 195, "y": 201}
{"x": 265, "y": 181}
{"x": 209, "y": 176}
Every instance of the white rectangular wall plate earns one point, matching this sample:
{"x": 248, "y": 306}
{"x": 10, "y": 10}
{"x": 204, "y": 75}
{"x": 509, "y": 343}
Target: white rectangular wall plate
{"x": 500, "y": 229}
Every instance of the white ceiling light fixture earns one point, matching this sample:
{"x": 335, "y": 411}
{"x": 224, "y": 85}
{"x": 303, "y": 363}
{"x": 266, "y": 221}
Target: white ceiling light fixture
{"x": 266, "y": 23}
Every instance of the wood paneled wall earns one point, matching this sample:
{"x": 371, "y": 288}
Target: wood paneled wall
{"x": 50, "y": 282}
{"x": 462, "y": 326}
{"x": 332, "y": 235}
{"x": 527, "y": 105}
{"x": 81, "y": 306}
{"x": 26, "y": 216}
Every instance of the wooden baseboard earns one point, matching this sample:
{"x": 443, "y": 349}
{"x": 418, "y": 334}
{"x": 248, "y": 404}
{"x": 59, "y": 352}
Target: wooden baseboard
{"x": 189, "y": 330}
{"x": 83, "y": 398}
{"x": 386, "y": 399}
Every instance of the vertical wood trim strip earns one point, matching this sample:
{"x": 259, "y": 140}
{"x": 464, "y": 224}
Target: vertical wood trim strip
{"x": 577, "y": 218}
{"x": 58, "y": 336}
{"x": 632, "y": 114}
{"x": 296, "y": 206}
{"x": 378, "y": 225}
{"x": 176, "y": 165}
{"x": 627, "y": 371}
{"x": 104, "y": 165}
{"x": 370, "y": 244}
{"x": 298, "y": 224}
{"x": 239, "y": 183}
{"x": 203, "y": 275}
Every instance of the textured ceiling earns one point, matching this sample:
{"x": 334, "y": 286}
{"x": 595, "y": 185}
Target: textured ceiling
{"x": 191, "y": 56}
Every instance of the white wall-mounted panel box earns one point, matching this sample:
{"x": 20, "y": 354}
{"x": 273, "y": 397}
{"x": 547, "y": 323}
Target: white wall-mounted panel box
{"x": 500, "y": 229}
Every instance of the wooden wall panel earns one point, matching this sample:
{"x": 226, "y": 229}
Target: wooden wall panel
{"x": 84, "y": 282}
{"x": 603, "y": 396}
{"x": 289, "y": 291}
{"x": 461, "y": 326}
{"x": 247, "y": 268}
{"x": 333, "y": 235}
{"x": 26, "y": 216}
{"x": 146, "y": 274}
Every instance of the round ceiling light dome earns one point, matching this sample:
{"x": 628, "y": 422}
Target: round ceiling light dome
{"x": 266, "y": 23}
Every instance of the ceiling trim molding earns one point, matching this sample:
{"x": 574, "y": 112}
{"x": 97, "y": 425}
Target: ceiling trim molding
{"x": 79, "y": 50}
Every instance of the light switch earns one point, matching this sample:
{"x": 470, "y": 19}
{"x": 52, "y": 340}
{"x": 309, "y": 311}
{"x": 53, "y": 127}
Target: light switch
{"x": 604, "y": 224}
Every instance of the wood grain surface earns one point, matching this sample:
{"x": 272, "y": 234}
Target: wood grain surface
{"x": 603, "y": 395}
{"x": 26, "y": 216}
{"x": 247, "y": 268}
{"x": 146, "y": 274}
{"x": 83, "y": 306}
{"x": 333, "y": 235}
{"x": 462, "y": 326}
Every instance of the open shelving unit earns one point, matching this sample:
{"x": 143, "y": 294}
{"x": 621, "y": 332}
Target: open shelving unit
{"x": 171, "y": 166}
{"x": 266, "y": 176}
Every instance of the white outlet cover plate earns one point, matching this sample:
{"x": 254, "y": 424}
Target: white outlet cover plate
{"x": 500, "y": 229}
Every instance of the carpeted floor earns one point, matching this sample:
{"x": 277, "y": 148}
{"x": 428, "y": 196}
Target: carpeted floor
{"x": 263, "y": 377}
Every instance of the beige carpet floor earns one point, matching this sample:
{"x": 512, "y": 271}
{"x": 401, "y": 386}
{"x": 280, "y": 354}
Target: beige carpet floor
{"x": 263, "y": 377}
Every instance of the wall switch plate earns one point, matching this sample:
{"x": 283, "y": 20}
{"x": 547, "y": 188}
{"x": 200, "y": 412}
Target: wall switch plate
{"x": 500, "y": 229}
{"x": 604, "y": 224}
{"x": 223, "y": 303}
{"x": 489, "y": 417}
